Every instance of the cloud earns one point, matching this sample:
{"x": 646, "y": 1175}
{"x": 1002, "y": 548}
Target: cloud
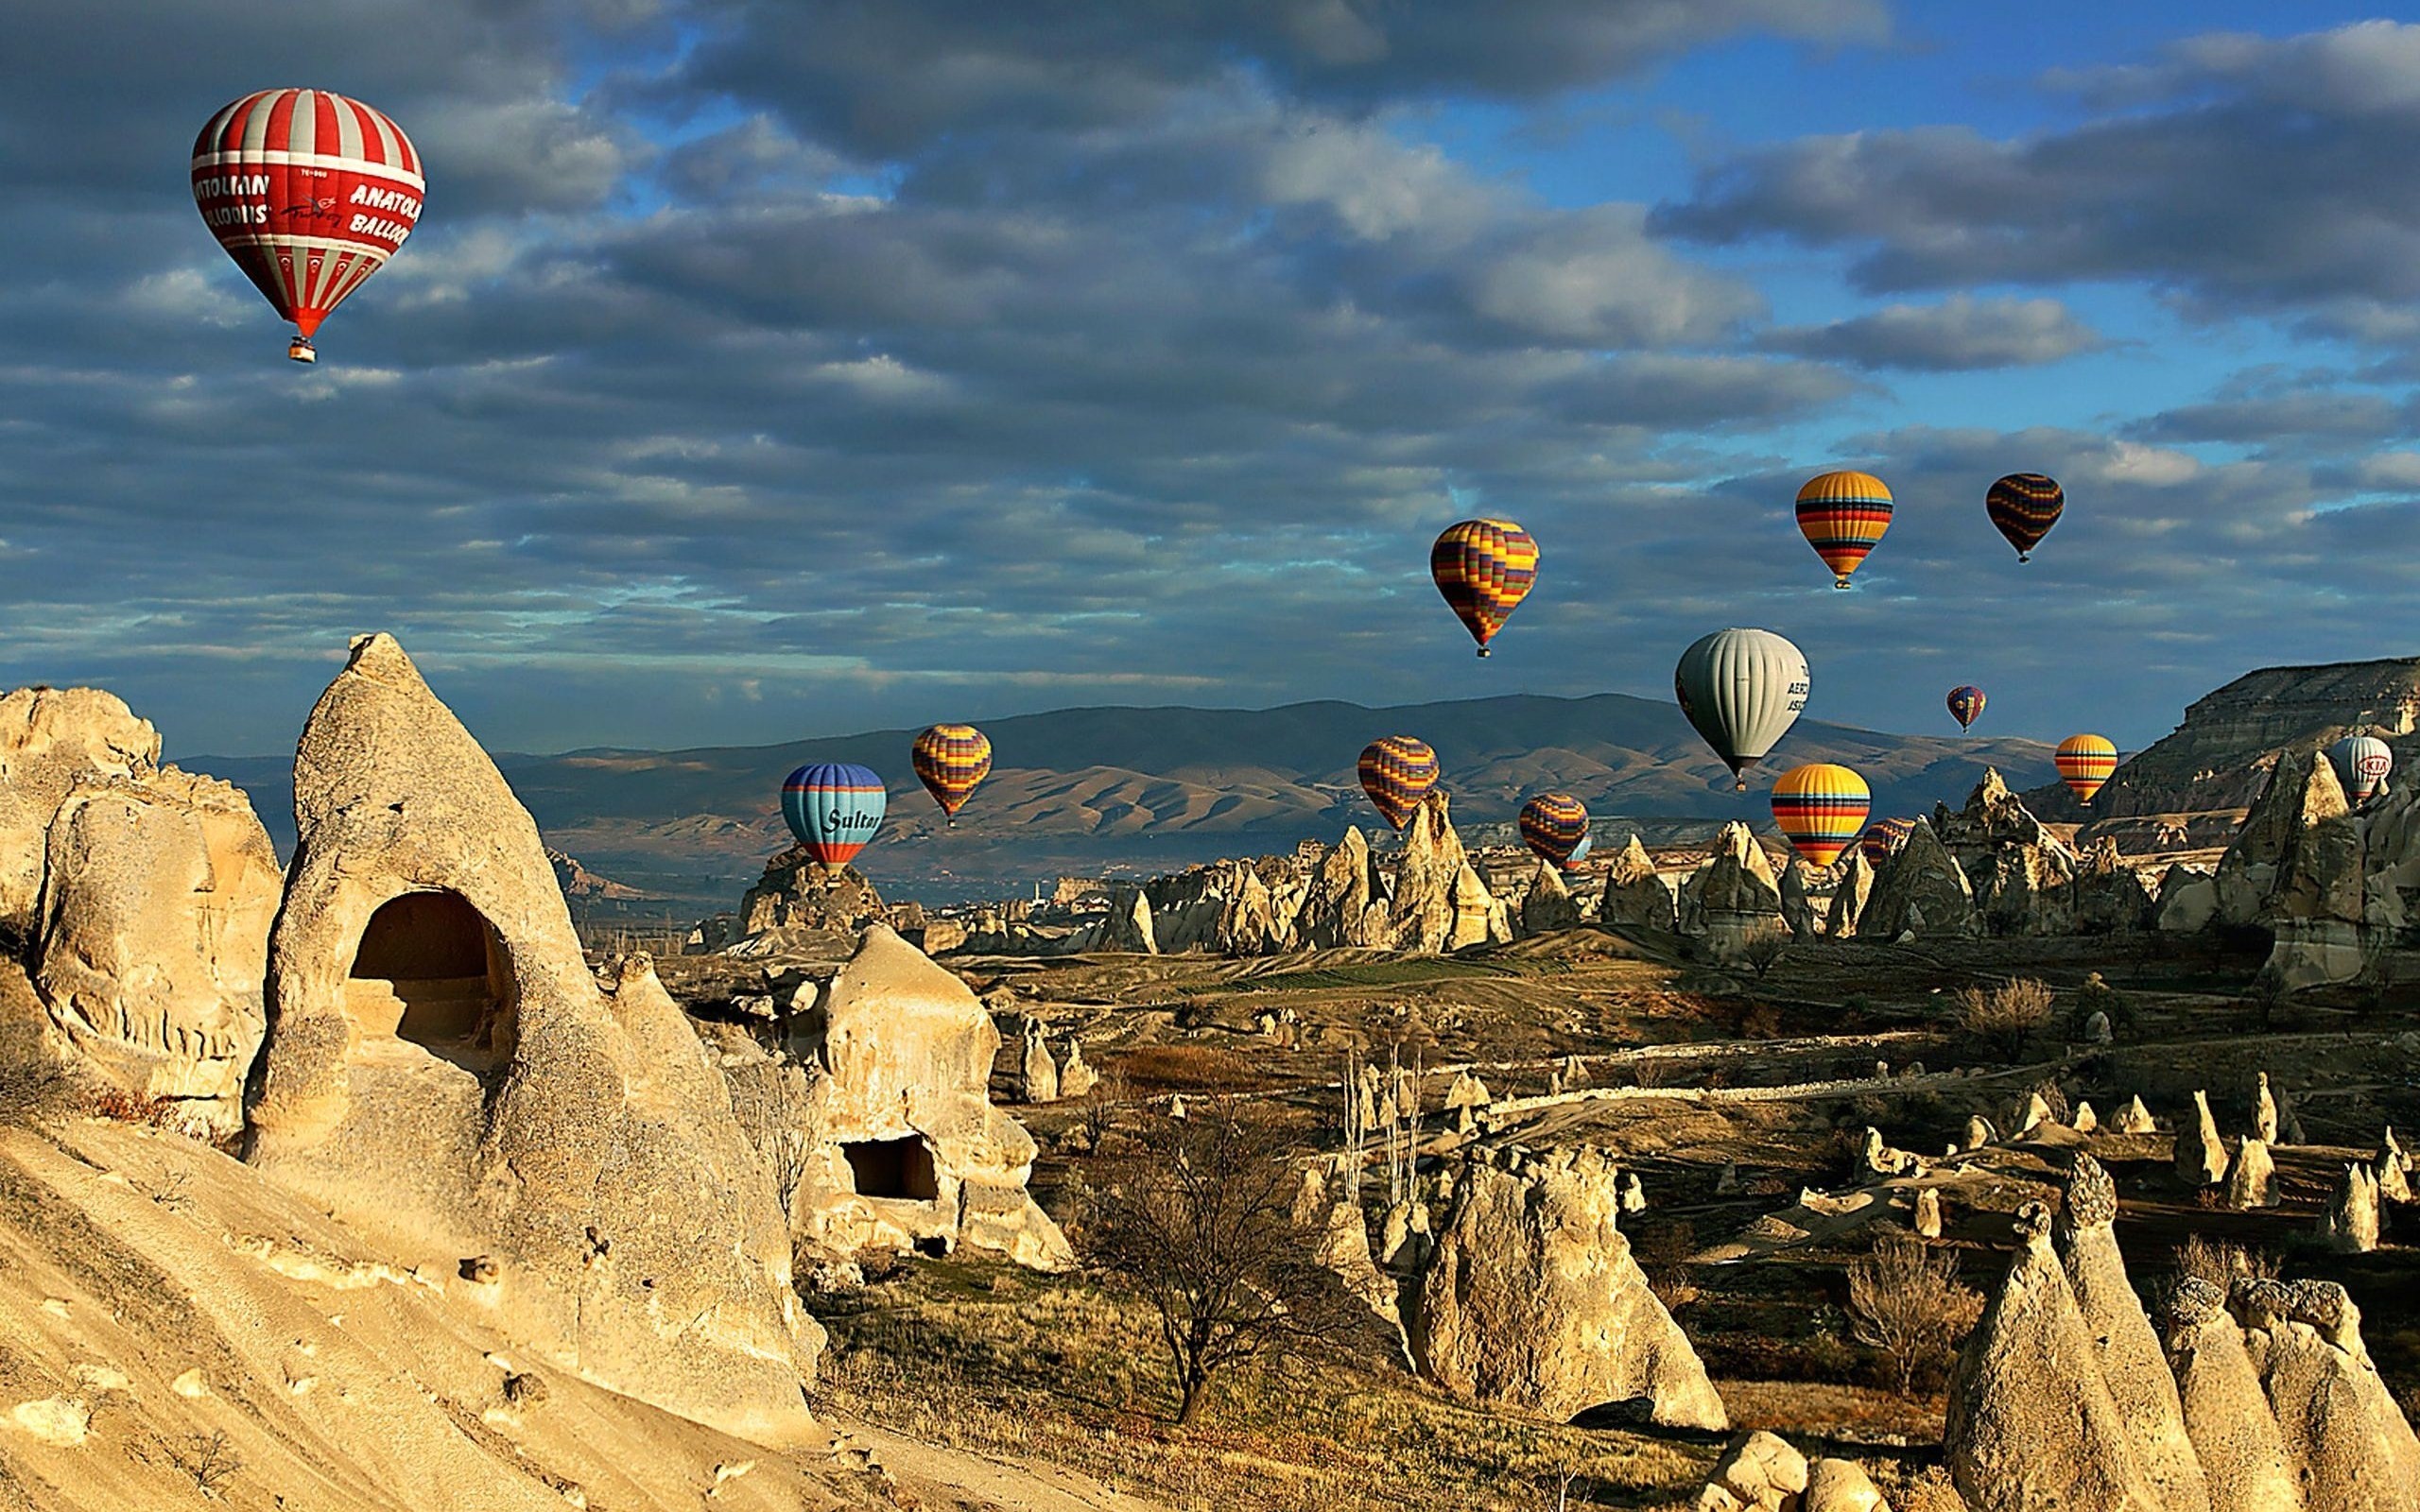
{"x": 1959, "y": 333}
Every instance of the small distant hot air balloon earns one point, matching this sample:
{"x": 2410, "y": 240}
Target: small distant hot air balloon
{"x": 1842, "y": 515}
{"x": 1821, "y": 808}
{"x": 1966, "y": 705}
{"x": 2364, "y": 762}
{"x": 1881, "y": 842}
{"x": 2024, "y": 506}
{"x": 310, "y": 192}
{"x": 951, "y": 761}
{"x": 1397, "y": 772}
{"x": 1484, "y": 569}
{"x": 2086, "y": 762}
{"x": 834, "y": 808}
{"x": 1742, "y": 690}
{"x": 1555, "y": 825}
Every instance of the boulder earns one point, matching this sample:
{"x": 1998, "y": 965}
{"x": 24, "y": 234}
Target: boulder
{"x": 1735, "y": 896}
{"x": 1346, "y": 902}
{"x": 1760, "y": 1470}
{"x": 156, "y": 901}
{"x": 2030, "y": 1425}
{"x": 50, "y": 740}
{"x": 1547, "y": 905}
{"x": 1926, "y": 1220}
{"x": 2200, "y": 1155}
{"x": 1920, "y": 890}
{"x": 2132, "y": 1363}
{"x": 2350, "y": 1446}
{"x": 1636, "y": 893}
{"x": 1531, "y": 1298}
{"x": 442, "y": 1070}
{"x": 1840, "y": 1485}
{"x": 1849, "y": 895}
{"x": 2226, "y": 1415}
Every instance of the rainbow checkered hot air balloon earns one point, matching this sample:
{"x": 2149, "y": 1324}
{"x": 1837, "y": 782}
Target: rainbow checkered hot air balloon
{"x": 1485, "y": 568}
{"x": 834, "y": 808}
{"x": 2024, "y": 506}
{"x": 951, "y": 761}
{"x": 2086, "y": 762}
{"x": 1821, "y": 808}
{"x": 1555, "y": 825}
{"x": 1966, "y": 705}
{"x": 1397, "y": 772}
{"x": 1882, "y": 842}
{"x": 1842, "y": 515}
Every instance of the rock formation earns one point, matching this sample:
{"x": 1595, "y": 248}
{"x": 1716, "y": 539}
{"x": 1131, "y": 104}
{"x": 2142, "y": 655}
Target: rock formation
{"x": 1735, "y": 896}
{"x": 2021, "y": 874}
{"x": 1547, "y": 905}
{"x": 1636, "y": 893}
{"x": 1346, "y": 902}
{"x": 2252, "y": 1180}
{"x": 1531, "y": 1298}
{"x": 2226, "y": 1415}
{"x": 2110, "y": 895}
{"x": 1076, "y": 1077}
{"x": 1037, "y": 1073}
{"x": 1127, "y": 928}
{"x": 1228, "y": 907}
{"x": 1440, "y": 902}
{"x": 2134, "y": 1118}
{"x": 798, "y": 893}
{"x": 50, "y": 740}
{"x": 2132, "y": 1363}
{"x": 1926, "y": 1220}
{"x": 1849, "y": 895}
{"x": 2302, "y": 792}
{"x": 2030, "y": 1424}
{"x": 1797, "y": 907}
{"x": 2200, "y": 1155}
{"x": 2350, "y": 1226}
{"x": 2187, "y": 900}
{"x": 441, "y": 1069}
{"x": 2350, "y": 1446}
{"x": 1759, "y": 1470}
{"x": 2264, "y": 1111}
{"x": 1920, "y": 889}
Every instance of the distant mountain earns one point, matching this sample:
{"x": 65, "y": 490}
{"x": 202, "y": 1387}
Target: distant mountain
{"x": 1086, "y": 790}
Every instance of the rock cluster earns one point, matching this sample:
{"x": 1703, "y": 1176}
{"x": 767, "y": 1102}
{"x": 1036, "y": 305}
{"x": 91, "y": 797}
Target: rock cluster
{"x": 1760, "y": 1471}
{"x": 1991, "y": 867}
{"x": 1735, "y": 896}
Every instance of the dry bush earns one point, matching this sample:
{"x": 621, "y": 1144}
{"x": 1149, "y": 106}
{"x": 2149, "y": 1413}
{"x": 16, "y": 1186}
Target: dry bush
{"x": 1183, "y": 1069}
{"x": 1764, "y": 948}
{"x": 2005, "y": 1016}
{"x": 1099, "y": 1110}
{"x": 2221, "y": 1261}
{"x": 1906, "y": 1303}
{"x": 1663, "y": 1247}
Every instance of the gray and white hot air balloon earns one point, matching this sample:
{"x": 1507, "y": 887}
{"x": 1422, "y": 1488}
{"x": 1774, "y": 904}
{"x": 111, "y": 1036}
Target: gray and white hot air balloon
{"x": 2362, "y": 761}
{"x": 1742, "y": 690}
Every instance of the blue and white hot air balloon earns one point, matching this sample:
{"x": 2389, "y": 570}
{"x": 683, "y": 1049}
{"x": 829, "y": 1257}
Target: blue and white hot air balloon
{"x": 834, "y": 808}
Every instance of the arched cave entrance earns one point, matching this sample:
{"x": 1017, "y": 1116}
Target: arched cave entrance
{"x": 893, "y": 1168}
{"x": 431, "y": 970}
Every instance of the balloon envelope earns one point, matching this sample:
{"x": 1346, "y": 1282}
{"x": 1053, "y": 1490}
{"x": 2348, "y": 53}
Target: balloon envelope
{"x": 1821, "y": 808}
{"x": 1842, "y": 515}
{"x": 1484, "y": 569}
{"x": 1742, "y": 690}
{"x": 2086, "y": 762}
{"x": 1580, "y": 851}
{"x": 951, "y": 760}
{"x": 2362, "y": 761}
{"x": 1397, "y": 771}
{"x": 1881, "y": 842}
{"x": 1965, "y": 704}
{"x": 1555, "y": 825}
{"x": 834, "y": 808}
{"x": 309, "y": 192}
{"x": 2024, "y": 506}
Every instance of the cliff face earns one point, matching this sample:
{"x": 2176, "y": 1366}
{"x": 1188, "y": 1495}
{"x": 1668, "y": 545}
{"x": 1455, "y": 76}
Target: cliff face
{"x": 2221, "y": 756}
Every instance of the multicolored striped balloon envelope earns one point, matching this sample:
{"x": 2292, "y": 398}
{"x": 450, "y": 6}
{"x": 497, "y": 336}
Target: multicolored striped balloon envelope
{"x": 951, "y": 761}
{"x": 2086, "y": 762}
{"x": 1842, "y": 515}
{"x": 1966, "y": 705}
{"x": 1821, "y": 808}
{"x": 834, "y": 808}
{"x": 1881, "y": 842}
{"x": 2024, "y": 506}
{"x": 1555, "y": 825}
{"x": 1485, "y": 568}
{"x": 310, "y": 192}
{"x": 2363, "y": 762}
{"x": 1397, "y": 772}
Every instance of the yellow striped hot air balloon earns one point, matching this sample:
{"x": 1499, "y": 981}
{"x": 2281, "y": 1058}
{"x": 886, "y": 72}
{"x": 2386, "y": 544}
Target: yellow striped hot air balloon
{"x": 1397, "y": 772}
{"x": 1484, "y": 569}
{"x": 951, "y": 761}
{"x": 1821, "y": 808}
{"x": 1843, "y": 516}
{"x": 2086, "y": 762}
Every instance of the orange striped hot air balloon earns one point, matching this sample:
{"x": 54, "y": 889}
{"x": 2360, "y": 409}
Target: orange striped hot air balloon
{"x": 1484, "y": 569}
{"x": 1397, "y": 772}
{"x": 1842, "y": 515}
{"x": 2086, "y": 762}
{"x": 1882, "y": 842}
{"x": 1821, "y": 808}
{"x": 2024, "y": 506}
{"x": 951, "y": 761}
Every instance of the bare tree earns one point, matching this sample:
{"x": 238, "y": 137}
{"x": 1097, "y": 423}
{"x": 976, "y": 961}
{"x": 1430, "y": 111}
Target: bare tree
{"x": 2007, "y": 1015}
{"x": 1764, "y": 948}
{"x": 1198, "y": 1219}
{"x": 1905, "y": 1302}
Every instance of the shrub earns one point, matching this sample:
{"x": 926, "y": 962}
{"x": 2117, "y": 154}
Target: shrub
{"x": 2220, "y": 1262}
{"x": 2005, "y": 1016}
{"x": 1183, "y": 1069}
{"x": 1764, "y": 948}
{"x": 1907, "y": 1305}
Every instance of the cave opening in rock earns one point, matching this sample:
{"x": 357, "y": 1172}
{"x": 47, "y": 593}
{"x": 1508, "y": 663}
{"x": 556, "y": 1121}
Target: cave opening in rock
{"x": 893, "y": 1168}
{"x": 431, "y": 970}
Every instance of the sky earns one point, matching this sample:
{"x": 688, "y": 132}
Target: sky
{"x": 763, "y": 368}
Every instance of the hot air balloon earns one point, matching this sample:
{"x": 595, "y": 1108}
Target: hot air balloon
{"x": 1555, "y": 825}
{"x": 834, "y": 808}
{"x": 1397, "y": 772}
{"x": 1882, "y": 842}
{"x": 2086, "y": 762}
{"x": 951, "y": 760}
{"x": 1966, "y": 705}
{"x": 1821, "y": 808}
{"x": 2024, "y": 506}
{"x": 2362, "y": 761}
{"x": 1485, "y": 568}
{"x": 310, "y": 192}
{"x": 1842, "y": 515}
{"x": 1580, "y": 851}
{"x": 1742, "y": 690}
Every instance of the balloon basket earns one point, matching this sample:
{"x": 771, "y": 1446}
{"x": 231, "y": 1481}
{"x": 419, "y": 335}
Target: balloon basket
{"x": 1840, "y": 583}
{"x": 300, "y": 349}
{"x": 1482, "y": 651}
{"x": 2025, "y": 556}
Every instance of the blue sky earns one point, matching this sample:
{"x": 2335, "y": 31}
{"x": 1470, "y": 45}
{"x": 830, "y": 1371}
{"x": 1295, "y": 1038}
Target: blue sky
{"x": 764, "y": 368}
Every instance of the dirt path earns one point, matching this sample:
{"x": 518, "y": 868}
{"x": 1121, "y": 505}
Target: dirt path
{"x": 979, "y": 1482}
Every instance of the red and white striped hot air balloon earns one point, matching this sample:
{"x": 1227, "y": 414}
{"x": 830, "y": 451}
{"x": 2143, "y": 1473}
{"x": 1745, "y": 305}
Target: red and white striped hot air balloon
{"x": 310, "y": 192}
